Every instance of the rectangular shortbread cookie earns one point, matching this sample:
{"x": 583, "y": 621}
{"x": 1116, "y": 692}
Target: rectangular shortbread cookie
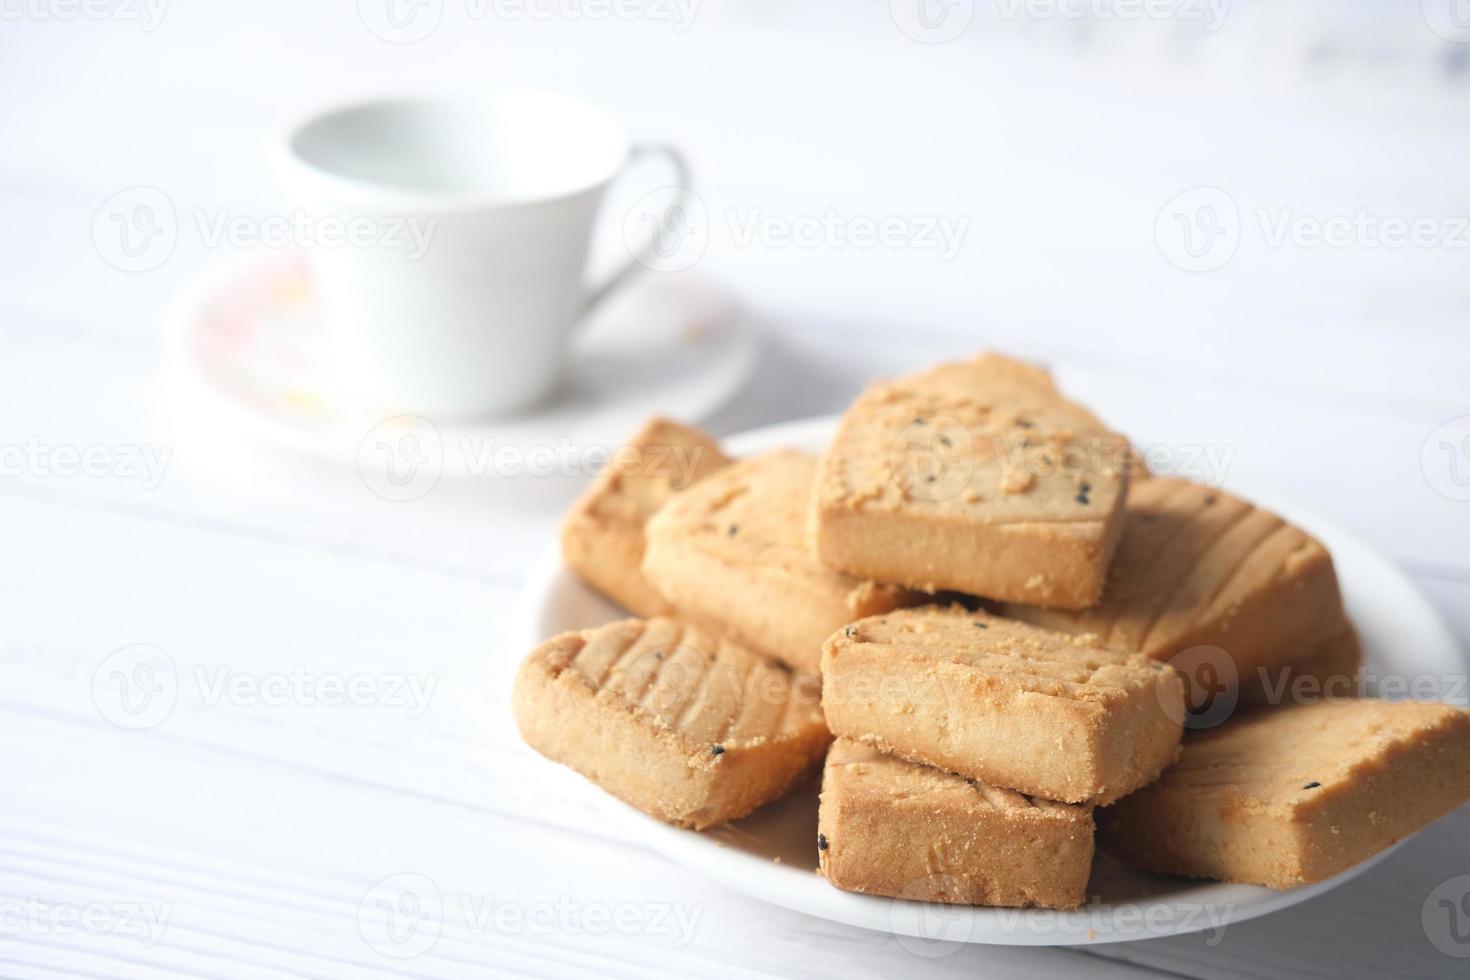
{"x": 602, "y": 534}
{"x": 1290, "y": 796}
{"x": 731, "y": 552}
{"x": 1197, "y": 567}
{"x": 977, "y": 477}
{"x": 890, "y": 827}
{"x": 690, "y": 728}
{"x": 1006, "y": 703}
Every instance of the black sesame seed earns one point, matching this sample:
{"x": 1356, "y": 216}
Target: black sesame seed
{"x": 716, "y": 750}
{"x": 944, "y": 441}
{"x": 1312, "y": 785}
{"x": 1210, "y": 499}
{"x": 850, "y": 632}
{"x": 1023, "y": 423}
{"x": 821, "y": 842}
{"x": 930, "y": 478}
{"x": 920, "y": 420}
{"x": 1086, "y": 487}
{"x": 734, "y": 530}
{"x": 981, "y": 626}
{"x": 1081, "y": 498}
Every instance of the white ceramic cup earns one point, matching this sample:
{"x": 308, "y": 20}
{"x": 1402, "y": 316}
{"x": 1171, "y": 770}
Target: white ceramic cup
{"x": 450, "y": 242}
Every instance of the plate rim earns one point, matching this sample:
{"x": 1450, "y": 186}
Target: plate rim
{"x": 788, "y": 887}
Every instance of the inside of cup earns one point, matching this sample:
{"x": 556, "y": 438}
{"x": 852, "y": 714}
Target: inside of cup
{"x": 521, "y": 146}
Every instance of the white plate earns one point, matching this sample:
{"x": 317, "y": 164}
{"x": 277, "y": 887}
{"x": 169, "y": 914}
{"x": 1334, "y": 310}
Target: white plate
{"x": 249, "y": 353}
{"x": 772, "y": 854}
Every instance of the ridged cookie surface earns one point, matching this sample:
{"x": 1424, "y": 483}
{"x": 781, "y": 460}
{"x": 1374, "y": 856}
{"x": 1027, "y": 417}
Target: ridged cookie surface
{"x": 688, "y": 727}
{"x": 1198, "y": 567}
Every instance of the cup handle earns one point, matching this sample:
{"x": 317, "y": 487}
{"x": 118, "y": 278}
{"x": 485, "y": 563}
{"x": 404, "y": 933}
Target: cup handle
{"x": 680, "y": 167}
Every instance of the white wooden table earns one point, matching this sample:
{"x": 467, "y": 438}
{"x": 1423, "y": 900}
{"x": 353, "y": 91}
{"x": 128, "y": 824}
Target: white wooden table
{"x": 242, "y": 834}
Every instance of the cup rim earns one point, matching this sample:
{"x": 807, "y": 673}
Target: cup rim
{"x": 289, "y": 163}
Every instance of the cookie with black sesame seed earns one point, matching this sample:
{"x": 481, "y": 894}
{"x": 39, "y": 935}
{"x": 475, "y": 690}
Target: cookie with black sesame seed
{"x": 685, "y": 725}
{"x": 890, "y": 827}
{"x": 1291, "y": 796}
{"x": 731, "y": 552}
{"x": 979, "y": 477}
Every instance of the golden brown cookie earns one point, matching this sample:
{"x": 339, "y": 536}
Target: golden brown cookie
{"x": 731, "y": 552}
{"x": 685, "y": 726}
{"x": 602, "y": 534}
{"x": 1291, "y": 796}
{"x": 1009, "y": 704}
{"x": 890, "y": 827}
{"x": 977, "y": 477}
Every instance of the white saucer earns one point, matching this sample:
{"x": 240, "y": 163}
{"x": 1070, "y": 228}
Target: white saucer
{"x": 772, "y": 854}
{"x": 250, "y": 350}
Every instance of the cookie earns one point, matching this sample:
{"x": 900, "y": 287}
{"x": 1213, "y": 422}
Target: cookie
{"x": 731, "y": 552}
{"x": 1291, "y": 796}
{"x": 890, "y": 827}
{"x": 687, "y": 727}
{"x": 1198, "y": 567}
{"x": 1009, "y": 704}
{"x": 977, "y": 477}
{"x": 602, "y": 533}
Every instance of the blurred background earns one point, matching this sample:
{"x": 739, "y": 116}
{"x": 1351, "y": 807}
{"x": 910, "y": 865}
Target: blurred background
{"x": 1239, "y": 225}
